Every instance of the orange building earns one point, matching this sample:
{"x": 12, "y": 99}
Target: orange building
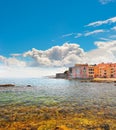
{"x": 113, "y": 70}
{"x": 105, "y": 70}
{"x": 91, "y": 71}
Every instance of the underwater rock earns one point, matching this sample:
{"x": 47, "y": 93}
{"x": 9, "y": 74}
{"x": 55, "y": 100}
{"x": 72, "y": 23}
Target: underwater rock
{"x": 105, "y": 126}
{"x": 63, "y": 127}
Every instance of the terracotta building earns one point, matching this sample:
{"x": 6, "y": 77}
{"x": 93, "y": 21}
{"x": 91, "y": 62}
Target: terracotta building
{"x": 113, "y": 70}
{"x": 105, "y": 70}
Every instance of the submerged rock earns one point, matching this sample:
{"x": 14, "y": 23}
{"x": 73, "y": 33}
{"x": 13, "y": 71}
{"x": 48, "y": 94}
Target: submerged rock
{"x": 105, "y": 126}
{"x": 63, "y": 127}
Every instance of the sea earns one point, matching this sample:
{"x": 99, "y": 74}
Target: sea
{"x": 46, "y": 103}
{"x": 45, "y": 89}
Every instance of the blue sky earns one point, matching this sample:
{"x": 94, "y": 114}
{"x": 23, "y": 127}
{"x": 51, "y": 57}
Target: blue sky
{"x": 55, "y": 33}
{"x": 42, "y": 24}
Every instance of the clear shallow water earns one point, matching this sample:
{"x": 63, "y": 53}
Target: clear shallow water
{"x": 48, "y": 91}
{"x": 54, "y": 102}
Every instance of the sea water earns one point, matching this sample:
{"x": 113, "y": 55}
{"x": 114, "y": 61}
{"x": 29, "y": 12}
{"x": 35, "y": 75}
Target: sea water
{"x": 49, "y": 103}
{"x": 50, "y": 90}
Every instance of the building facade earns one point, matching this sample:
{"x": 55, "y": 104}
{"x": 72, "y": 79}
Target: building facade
{"x": 91, "y": 71}
{"x": 85, "y": 71}
{"x": 79, "y": 71}
{"x": 105, "y": 70}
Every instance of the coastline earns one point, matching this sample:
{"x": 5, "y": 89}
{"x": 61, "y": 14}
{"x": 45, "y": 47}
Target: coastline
{"x": 104, "y": 80}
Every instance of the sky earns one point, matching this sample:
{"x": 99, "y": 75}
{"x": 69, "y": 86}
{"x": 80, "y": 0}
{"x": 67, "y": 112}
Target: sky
{"x": 55, "y": 33}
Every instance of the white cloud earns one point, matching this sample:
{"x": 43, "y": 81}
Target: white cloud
{"x": 56, "y": 56}
{"x": 69, "y": 54}
{"x": 78, "y": 35}
{"x": 68, "y": 35}
{"x": 98, "y": 23}
{"x": 94, "y": 32}
{"x": 15, "y": 55}
{"x": 113, "y": 36}
{"x": 105, "y": 1}
{"x": 66, "y": 55}
{"x": 12, "y": 61}
{"x": 104, "y": 39}
{"x": 53, "y": 60}
{"x": 105, "y": 52}
{"x": 113, "y": 28}
{"x": 2, "y": 58}
{"x": 106, "y": 45}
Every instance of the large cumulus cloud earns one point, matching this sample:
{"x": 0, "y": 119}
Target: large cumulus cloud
{"x": 63, "y": 56}
{"x": 67, "y": 54}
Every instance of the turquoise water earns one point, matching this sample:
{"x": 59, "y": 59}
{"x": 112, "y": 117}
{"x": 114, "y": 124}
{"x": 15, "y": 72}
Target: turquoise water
{"x": 48, "y": 91}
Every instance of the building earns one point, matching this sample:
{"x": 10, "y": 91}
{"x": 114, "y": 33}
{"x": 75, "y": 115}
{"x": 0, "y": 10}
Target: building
{"x": 91, "y": 71}
{"x": 79, "y": 71}
{"x": 113, "y": 70}
{"x": 85, "y": 71}
{"x": 62, "y": 75}
{"x": 105, "y": 70}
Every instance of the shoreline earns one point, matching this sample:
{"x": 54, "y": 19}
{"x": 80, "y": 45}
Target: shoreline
{"x": 99, "y": 80}
{"x": 104, "y": 80}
